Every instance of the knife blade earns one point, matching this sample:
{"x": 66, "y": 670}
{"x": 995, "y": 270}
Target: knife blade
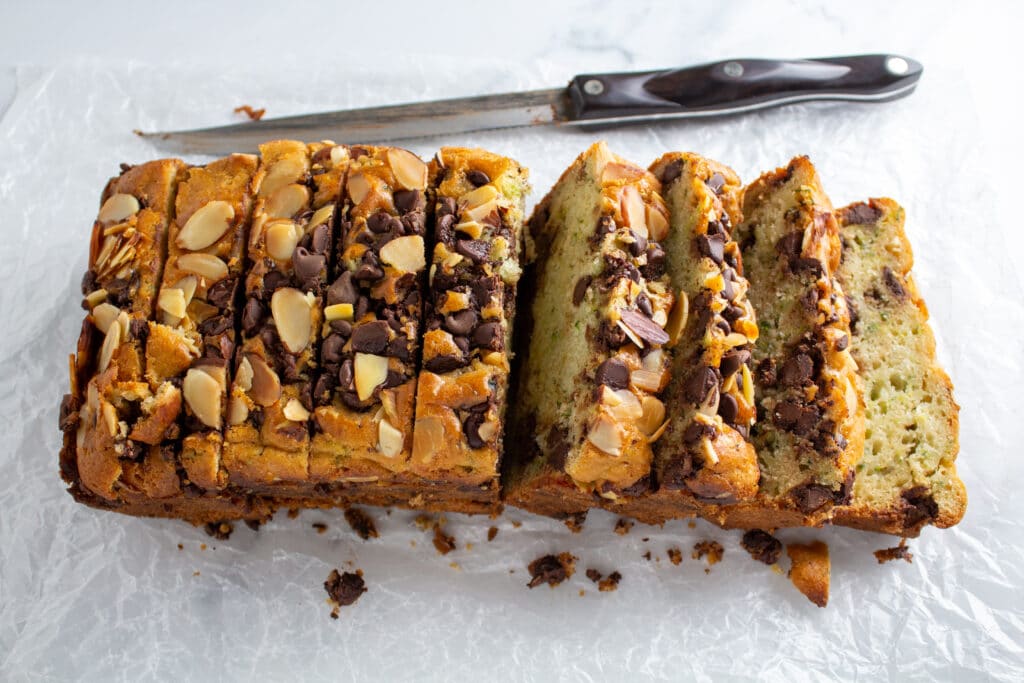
{"x": 722, "y": 88}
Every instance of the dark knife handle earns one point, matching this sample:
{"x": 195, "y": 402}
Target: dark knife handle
{"x": 739, "y": 85}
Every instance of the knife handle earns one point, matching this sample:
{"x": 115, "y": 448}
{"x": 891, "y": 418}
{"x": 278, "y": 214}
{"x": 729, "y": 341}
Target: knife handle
{"x": 739, "y": 85}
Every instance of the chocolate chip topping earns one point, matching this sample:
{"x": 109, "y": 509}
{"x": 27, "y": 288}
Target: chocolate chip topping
{"x": 370, "y": 337}
{"x": 471, "y": 428}
{"x": 699, "y": 384}
{"x": 613, "y": 373}
{"x": 732, "y": 361}
{"x": 918, "y": 506}
{"x": 407, "y": 201}
{"x": 812, "y": 497}
{"x": 712, "y": 246}
{"x": 462, "y": 322}
{"x": 762, "y": 546}
{"x": 443, "y": 364}
{"x": 715, "y": 183}
{"x": 861, "y": 214}
{"x": 488, "y": 336}
{"x": 320, "y": 239}
{"x": 671, "y": 171}
{"x": 797, "y": 418}
{"x": 345, "y": 374}
{"x": 893, "y": 283}
{"x": 797, "y": 371}
{"x": 346, "y": 588}
{"x": 477, "y": 178}
{"x": 342, "y": 291}
{"x": 644, "y": 327}
{"x": 580, "y": 290}
{"x": 308, "y": 267}
{"x": 728, "y": 408}
{"x": 644, "y": 304}
{"x": 221, "y": 293}
{"x": 475, "y": 250}
{"x": 330, "y": 350}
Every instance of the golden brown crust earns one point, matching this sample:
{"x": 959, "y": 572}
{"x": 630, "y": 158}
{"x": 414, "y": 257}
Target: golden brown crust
{"x": 811, "y": 570}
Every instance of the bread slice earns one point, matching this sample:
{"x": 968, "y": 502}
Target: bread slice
{"x": 470, "y": 309}
{"x": 907, "y": 476}
{"x": 587, "y": 404}
{"x": 266, "y": 439}
{"x": 703, "y": 460}
{"x": 810, "y": 430}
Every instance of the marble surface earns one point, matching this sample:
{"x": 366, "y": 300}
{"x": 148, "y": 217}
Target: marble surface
{"x": 85, "y": 595}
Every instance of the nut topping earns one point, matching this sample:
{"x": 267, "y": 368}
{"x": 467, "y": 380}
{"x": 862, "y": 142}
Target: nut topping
{"x": 390, "y": 440}
{"x": 291, "y": 310}
{"x": 110, "y": 343}
{"x": 266, "y": 387}
{"x": 605, "y": 435}
{"x": 238, "y": 412}
{"x": 405, "y": 254}
{"x": 103, "y": 315}
{"x": 206, "y": 266}
{"x": 172, "y": 301}
{"x": 487, "y": 430}
{"x": 282, "y": 172}
{"x": 646, "y": 380}
{"x": 117, "y": 208}
{"x": 202, "y": 394}
{"x": 370, "y": 372}
{"x": 206, "y": 226}
{"x": 409, "y": 169}
{"x": 243, "y": 377}
{"x": 281, "y": 238}
{"x": 338, "y": 312}
{"x": 657, "y": 223}
{"x": 287, "y": 201}
{"x": 358, "y": 187}
{"x": 677, "y": 318}
{"x": 653, "y": 415}
{"x": 633, "y": 210}
{"x": 295, "y": 411}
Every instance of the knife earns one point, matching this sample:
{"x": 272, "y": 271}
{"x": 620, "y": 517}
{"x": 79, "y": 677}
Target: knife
{"x": 722, "y": 88}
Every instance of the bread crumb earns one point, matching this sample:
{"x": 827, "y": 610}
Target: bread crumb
{"x": 202, "y": 546}
{"x": 253, "y": 114}
{"x": 181, "y": 547}
{"x": 443, "y": 542}
{"x": 713, "y": 550}
{"x": 575, "y": 521}
{"x": 344, "y": 589}
{"x": 675, "y": 555}
{"x": 623, "y": 526}
{"x": 491, "y": 533}
{"x": 610, "y": 583}
{"x": 762, "y": 546}
{"x": 551, "y": 569}
{"x": 361, "y": 523}
{"x": 516, "y": 525}
{"x": 320, "y": 527}
{"x": 195, "y": 573}
{"x": 219, "y": 530}
{"x": 692, "y": 524}
{"x": 647, "y": 556}
{"x": 456, "y": 566}
{"x": 900, "y": 552}
{"x": 811, "y": 570}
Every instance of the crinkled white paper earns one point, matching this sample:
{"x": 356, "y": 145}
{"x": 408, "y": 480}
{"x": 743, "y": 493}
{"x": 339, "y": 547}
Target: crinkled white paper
{"x": 94, "y": 595}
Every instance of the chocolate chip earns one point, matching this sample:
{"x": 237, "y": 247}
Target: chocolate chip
{"x": 346, "y": 588}
{"x": 345, "y": 374}
{"x": 671, "y": 171}
{"x": 488, "y": 336}
{"x": 379, "y": 222}
{"x": 399, "y": 348}
{"x": 712, "y": 246}
{"x": 442, "y": 364}
{"x": 811, "y": 497}
{"x": 715, "y": 183}
{"x": 716, "y": 228}
{"x": 361, "y": 307}
{"x": 477, "y": 178}
{"x": 88, "y": 282}
{"x": 639, "y": 245}
{"x": 139, "y": 329}
{"x": 475, "y": 250}
{"x": 320, "y": 241}
{"x": 370, "y": 337}
{"x": 697, "y": 431}
{"x": 611, "y": 335}
{"x": 679, "y": 469}
{"x": 342, "y": 291}
{"x": 273, "y": 281}
{"x": 732, "y": 313}
{"x": 728, "y": 408}
{"x": 330, "y": 350}
{"x": 471, "y": 428}
{"x": 893, "y": 283}
{"x": 605, "y": 226}
{"x": 699, "y": 384}
{"x": 461, "y": 323}
{"x": 797, "y": 371}
{"x": 580, "y": 290}
{"x": 462, "y": 343}
{"x": 218, "y": 324}
{"x": 342, "y": 328}
{"x": 796, "y": 418}
{"x": 222, "y": 293}
{"x": 644, "y": 327}
{"x": 860, "y": 214}
{"x": 918, "y": 506}
{"x": 407, "y": 201}
{"x": 446, "y": 206}
{"x": 732, "y": 361}
{"x": 414, "y": 223}
{"x": 644, "y": 304}
{"x": 393, "y": 379}
{"x": 762, "y": 546}
{"x": 655, "y": 267}
{"x": 613, "y": 373}
{"x": 308, "y": 267}
{"x": 289, "y": 369}
{"x": 368, "y": 270}
{"x": 842, "y": 342}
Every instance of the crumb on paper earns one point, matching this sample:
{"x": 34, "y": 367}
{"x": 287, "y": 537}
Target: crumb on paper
{"x": 202, "y": 546}
{"x": 574, "y": 522}
{"x": 361, "y": 523}
{"x": 516, "y": 524}
{"x": 293, "y": 513}
{"x": 675, "y": 555}
{"x": 647, "y": 556}
{"x": 181, "y": 547}
{"x": 811, "y": 570}
{"x": 623, "y": 526}
{"x": 442, "y": 541}
{"x": 195, "y": 573}
{"x": 900, "y": 552}
{"x": 551, "y": 569}
{"x": 491, "y": 533}
{"x": 712, "y": 550}
{"x": 425, "y": 522}
{"x": 762, "y": 546}
{"x": 692, "y": 524}
{"x": 344, "y": 589}
{"x": 219, "y": 530}
{"x": 609, "y": 583}
{"x": 253, "y": 524}
{"x": 456, "y": 566}
{"x": 320, "y": 527}
{"x": 469, "y": 546}
{"x": 582, "y": 592}
{"x": 253, "y": 114}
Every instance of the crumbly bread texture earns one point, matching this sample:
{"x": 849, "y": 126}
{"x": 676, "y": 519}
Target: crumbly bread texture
{"x": 598, "y": 302}
{"x": 469, "y": 313}
{"x": 810, "y": 430}
{"x": 266, "y": 439}
{"x": 907, "y": 476}
{"x": 811, "y": 570}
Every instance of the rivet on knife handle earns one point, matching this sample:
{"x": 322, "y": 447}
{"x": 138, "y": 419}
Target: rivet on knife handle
{"x": 739, "y": 85}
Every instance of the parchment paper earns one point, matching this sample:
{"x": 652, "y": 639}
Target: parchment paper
{"x": 100, "y": 596}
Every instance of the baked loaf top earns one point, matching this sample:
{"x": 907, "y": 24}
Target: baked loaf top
{"x": 595, "y": 365}
{"x": 460, "y": 401}
{"x": 705, "y": 449}
{"x": 811, "y": 430}
{"x": 907, "y": 476}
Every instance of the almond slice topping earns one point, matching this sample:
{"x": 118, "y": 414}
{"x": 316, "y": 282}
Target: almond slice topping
{"x": 406, "y": 254}
{"x": 409, "y": 169}
{"x": 207, "y": 225}
{"x": 266, "y": 387}
{"x": 281, "y": 236}
{"x": 202, "y": 394}
{"x": 605, "y": 435}
{"x": 634, "y": 213}
{"x": 291, "y": 311}
{"x": 206, "y": 266}
{"x": 370, "y": 372}
{"x": 103, "y": 315}
{"x": 295, "y": 411}
{"x": 110, "y": 343}
{"x": 117, "y": 208}
{"x": 287, "y": 201}
{"x": 358, "y": 187}
{"x": 390, "y": 441}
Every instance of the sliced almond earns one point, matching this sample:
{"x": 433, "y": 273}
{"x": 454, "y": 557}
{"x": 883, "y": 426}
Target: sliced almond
{"x": 207, "y": 225}
{"x": 485, "y": 194}
{"x": 606, "y": 435}
{"x": 657, "y": 223}
{"x": 202, "y": 394}
{"x": 406, "y": 254}
{"x": 387, "y": 403}
{"x": 634, "y": 213}
{"x": 709, "y": 451}
{"x": 206, "y": 266}
{"x": 110, "y": 417}
{"x": 390, "y": 441}
{"x": 653, "y": 360}
{"x": 615, "y": 170}
{"x": 646, "y": 380}
{"x": 339, "y": 153}
{"x": 482, "y": 211}
{"x": 358, "y": 187}
{"x": 292, "y": 316}
{"x": 281, "y": 238}
{"x": 338, "y": 312}
{"x": 287, "y": 201}
{"x": 370, "y": 372}
{"x": 623, "y": 404}
{"x": 735, "y": 339}
{"x": 95, "y": 298}
{"x": 471, "y": 228}
{"x": 323, "y": 215}
{"x": 243, "y": 376}
{"x": 172, "y": 301}
{"x": 238, "y": 412}
{"x": 409, "y": 169}
{"x": 103, "y": 315}
{"x": 487, "y": 430}
{"x": 602, "y": 157}
{"x": 630, "y": 334}
{"x": 282, "y": 172}
{"x": 428, "y": 437}
{"x": 266, "y": 387}
{"x": 110, "y": 343}
{"x": 117, "y": 208}
{"x": 295, "y": 411}
{"x": 677, "y": 318}
{"x": 653, "y": 415}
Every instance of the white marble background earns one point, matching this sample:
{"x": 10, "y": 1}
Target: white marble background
{"x": 86, "y": 595}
